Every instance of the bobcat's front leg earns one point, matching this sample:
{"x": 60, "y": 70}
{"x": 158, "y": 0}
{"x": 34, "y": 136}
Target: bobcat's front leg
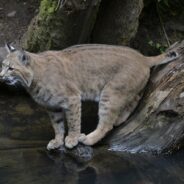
{"x": 73, "y": 117}
{"x": 57, "y": 120}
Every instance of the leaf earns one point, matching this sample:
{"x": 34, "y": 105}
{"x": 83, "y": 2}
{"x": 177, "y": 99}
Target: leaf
{"x": 150, "y": 43}
{"x": 158, "y": 45}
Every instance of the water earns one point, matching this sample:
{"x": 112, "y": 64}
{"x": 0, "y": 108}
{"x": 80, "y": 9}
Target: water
{"x": 37, "y": 166}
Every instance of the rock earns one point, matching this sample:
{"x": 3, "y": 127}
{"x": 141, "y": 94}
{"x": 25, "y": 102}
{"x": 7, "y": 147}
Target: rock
{"x": 57, "y": 28}
{"x": 117, "y": 21}
{"x": 81, "y": 152}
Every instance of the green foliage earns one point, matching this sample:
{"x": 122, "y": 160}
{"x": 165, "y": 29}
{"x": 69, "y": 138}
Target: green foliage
{"x": 161, "y": 48}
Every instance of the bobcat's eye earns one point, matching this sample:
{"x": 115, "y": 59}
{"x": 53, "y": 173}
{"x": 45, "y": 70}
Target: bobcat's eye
{"x": 10, "y": 68}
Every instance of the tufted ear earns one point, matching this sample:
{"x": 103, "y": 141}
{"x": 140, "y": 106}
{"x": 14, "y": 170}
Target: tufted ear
{"x": 9, "y": 48}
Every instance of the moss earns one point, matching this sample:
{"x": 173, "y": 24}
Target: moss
{"x": 47, "y": 7}
{"x": 39, "y": 38}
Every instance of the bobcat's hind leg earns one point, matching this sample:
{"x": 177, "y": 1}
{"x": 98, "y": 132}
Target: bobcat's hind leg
{"x": 127, "y": 110}
{"x": 110, "y": 106}
{"x": 57, "y": 120}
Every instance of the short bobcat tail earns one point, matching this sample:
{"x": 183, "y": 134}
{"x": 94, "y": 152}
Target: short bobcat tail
{"x": 174, "y": 52}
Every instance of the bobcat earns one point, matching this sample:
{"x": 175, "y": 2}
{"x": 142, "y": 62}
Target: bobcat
{"x": 58, "y": 80}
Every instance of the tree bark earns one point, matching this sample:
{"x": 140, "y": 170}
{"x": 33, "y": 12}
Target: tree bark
{"x": 60, "y": 24}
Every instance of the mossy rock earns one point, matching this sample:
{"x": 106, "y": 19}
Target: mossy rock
{"x": 57, "y": 27}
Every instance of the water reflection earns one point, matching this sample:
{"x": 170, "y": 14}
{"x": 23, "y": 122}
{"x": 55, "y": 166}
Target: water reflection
{"x": 27, "y": 166}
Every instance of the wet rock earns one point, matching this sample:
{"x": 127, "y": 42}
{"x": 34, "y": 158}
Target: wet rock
{"x": 81, "y": 152}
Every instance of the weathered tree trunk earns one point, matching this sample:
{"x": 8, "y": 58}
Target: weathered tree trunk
{"x": 117, "y": 21}
{"x": 59, "y": 25}
{"x": 157, "y": 125}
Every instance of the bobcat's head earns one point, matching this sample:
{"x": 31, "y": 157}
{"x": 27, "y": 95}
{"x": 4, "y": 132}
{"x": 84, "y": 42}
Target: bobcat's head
{"x": 16, "y": 67}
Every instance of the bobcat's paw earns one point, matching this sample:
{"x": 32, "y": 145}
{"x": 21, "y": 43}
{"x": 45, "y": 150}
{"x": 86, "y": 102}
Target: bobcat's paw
{"x": 85, "y": 139}
{"x": 71, "y": 141}
{"x": 54, "y": 144}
